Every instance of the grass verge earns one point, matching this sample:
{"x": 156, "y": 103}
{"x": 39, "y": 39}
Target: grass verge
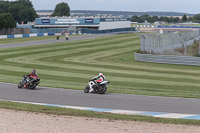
{"x": 73, "y": 112}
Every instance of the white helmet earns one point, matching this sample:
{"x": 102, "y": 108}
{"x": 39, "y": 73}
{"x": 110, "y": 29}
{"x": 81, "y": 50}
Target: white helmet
{"x": 101, "y": 74}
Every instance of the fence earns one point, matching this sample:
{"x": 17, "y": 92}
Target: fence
{"x": 54, "y": 30}
{"x": 34, "y": 35}
{"x": 169, "y": 59}
{"x": 119, "y": 30}
{"x": 12, "y": 31}
{"x": 153, "y": 43}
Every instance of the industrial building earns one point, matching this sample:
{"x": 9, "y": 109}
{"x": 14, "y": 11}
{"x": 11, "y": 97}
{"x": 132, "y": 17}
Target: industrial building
{"x": 94, "y": 23}
{"x": 80, "y": 24}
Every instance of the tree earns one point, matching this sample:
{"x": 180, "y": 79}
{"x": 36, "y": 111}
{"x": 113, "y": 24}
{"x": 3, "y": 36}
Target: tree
{"x": 184, "y": 18}
{"x": 153, "y": 19}
{"x": 16, "y": 8}
{"x": 196, "y": 18}
{"x": 144, "y": 18}
{"x": 176, "y": 20}
{"x": 135, "y": 19}
{"x": 4, "y": 5}
{"x": 27, "y": 15}
{"x": 7, "y": 21}
{"x": 190, "y": 19}
{"x": 141, "y": 19}
{"x": 61, "y": 9}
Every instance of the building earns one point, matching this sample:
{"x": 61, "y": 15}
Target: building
{"x": 80, "y": 24}
{"x": 88, "y": 22}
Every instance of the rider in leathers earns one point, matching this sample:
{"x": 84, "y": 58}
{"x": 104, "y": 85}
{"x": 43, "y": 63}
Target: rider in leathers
{"x": 98, "y": 79}
{"x": 31, "y": 76}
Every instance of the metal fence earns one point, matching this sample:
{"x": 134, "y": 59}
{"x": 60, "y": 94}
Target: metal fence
{"x": 153, "y": 43}
{"x": 12, "y": 31}
{"x": 54, "y": 30}
{"x": 168, "y": 59}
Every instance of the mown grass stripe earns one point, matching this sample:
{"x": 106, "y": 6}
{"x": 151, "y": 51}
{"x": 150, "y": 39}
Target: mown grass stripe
{"x": 72, "y": 64}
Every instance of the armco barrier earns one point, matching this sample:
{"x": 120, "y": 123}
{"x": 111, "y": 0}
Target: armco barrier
{"x": 3, "y": 37}
{"x": 168, "y": 59}
{"x": 31, "y": 35}
{"x": 26, "y": 35}
{"x": 95, "y": 31}
{"x": 40, "y": 34}
{"x": 19, "y": 36}
{"x": 51, "y": 34}
{"x": 11, "y": 36}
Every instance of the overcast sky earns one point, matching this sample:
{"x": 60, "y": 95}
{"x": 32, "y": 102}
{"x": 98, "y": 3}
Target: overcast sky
{"x": 185, "y": 6}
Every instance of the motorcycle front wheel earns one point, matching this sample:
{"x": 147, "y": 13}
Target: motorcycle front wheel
{"x": 20, "y": 85}
{"x": 86, "y": 90}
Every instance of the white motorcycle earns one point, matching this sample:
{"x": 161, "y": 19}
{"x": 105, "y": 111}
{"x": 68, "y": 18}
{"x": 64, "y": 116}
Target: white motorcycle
{"x": 94, "y": 87}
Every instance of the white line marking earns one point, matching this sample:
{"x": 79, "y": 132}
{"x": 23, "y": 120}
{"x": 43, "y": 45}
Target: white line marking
{"x": 173, "y": 115}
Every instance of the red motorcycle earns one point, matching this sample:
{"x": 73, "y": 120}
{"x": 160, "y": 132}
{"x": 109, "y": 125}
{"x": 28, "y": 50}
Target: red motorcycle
{"x": 29, "y": 82}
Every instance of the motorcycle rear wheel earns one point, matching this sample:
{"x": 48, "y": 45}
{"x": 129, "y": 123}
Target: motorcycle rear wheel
{"x": 32, "y": 87}
{"x": 102, "y": 89}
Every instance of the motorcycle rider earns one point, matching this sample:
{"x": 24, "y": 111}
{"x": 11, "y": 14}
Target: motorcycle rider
{"x": 67, "y": 37}
{"x": 57, "y": 37}
{"x": 31, "y": 76}
{"x": 98, "y": 79}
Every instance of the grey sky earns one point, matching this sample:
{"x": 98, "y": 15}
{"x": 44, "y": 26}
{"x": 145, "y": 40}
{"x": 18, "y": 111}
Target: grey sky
{"x": 185, "y": 6}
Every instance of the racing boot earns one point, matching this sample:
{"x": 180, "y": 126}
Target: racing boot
{"x": 91, "y": 90}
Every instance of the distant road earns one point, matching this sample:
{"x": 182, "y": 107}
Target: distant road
{"x": 72, "y": 38}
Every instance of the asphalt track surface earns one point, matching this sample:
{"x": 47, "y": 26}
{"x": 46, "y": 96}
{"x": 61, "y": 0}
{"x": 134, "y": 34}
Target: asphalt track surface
{"x": 108, "y": 100}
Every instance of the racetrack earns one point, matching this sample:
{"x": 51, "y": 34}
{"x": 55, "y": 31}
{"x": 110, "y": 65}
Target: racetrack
{"x": 71, "y": 65}
{"x": 108, "y": 101}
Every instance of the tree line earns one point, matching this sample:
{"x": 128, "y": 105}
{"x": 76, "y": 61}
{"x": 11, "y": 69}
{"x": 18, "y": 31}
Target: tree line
{"x": 152, "y": 19}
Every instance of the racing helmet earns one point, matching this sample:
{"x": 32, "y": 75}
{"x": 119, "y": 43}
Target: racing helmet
{"x": 33, "y": 71}
{"x": 101, "y": 74}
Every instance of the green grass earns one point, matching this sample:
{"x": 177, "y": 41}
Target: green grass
{"x": 28, "y": 39}
{"x": 71, "y": 64}
{"x": 194, "y": 25}
{"x": 72, "y": 112}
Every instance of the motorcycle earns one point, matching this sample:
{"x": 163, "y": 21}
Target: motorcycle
{"x": 28, "y": 82}
{"x": 67, "y": 38}
{"x": 94, "y": 87}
